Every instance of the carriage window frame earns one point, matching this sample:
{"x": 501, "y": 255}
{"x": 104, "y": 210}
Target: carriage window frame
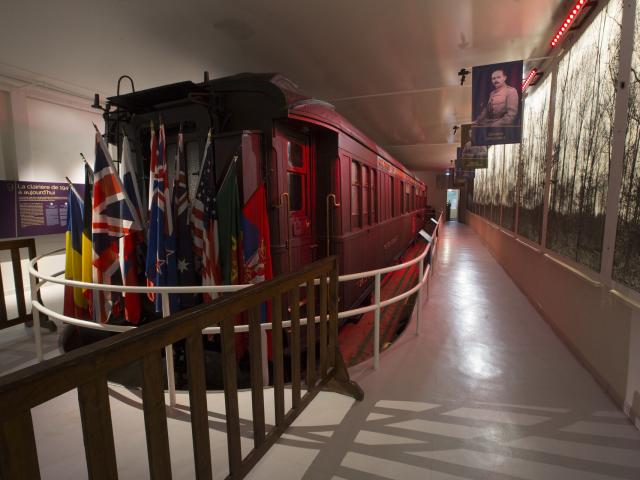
{"x": 373, "y": 202}
{"x": 366, "y": 194}
{"x": 356, "y": 194}
{"x": 301, "y": 170}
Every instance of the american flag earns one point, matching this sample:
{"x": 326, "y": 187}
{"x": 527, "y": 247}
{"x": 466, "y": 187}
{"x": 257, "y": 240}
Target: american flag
{"x": 204, "y": 221}
{"x": 113, "y": 216}
{"x": 186, "y": 267}
{"x": 161, "y": 255}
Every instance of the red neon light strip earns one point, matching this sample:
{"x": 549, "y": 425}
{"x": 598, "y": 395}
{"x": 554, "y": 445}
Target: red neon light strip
{"x": 575, "y": 11}
{"x": 529, "y": 79}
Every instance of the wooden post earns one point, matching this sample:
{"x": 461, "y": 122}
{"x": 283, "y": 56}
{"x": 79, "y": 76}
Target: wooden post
{"x": 278, "y": 360}
{"x": 311, "y": 334}
{"x": 294, "y": 301}
{"x": 95, "y": 413}
{"x": 155, "y": 417}
{"x": 198, "y": 405}
{"x": 257, "y": 393}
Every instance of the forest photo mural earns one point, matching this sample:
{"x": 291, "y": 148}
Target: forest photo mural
{"x": 626, "y": 265}
{"x": 583, "y": 127}
{"x": 584, "y": 109}
{"x": 510, "y": 159}
{"x": 533, "y": 161}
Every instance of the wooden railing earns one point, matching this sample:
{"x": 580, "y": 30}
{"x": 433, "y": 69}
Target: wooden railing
{"x": 14, "y": 247}
{"x": 87, "y": 369}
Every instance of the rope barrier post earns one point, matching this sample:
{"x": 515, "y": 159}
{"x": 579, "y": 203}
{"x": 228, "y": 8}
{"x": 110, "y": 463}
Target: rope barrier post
{"x": 35, "y": 313}
{"x": 376, "y": 327}
{"x": 420, "y": 282}
{"x": 168, "y": 350}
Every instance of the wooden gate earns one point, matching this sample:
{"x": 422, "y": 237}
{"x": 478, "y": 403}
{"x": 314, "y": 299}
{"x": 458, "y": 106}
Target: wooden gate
{"x": 14, "y": 247}
{"x": 87, "y": 369}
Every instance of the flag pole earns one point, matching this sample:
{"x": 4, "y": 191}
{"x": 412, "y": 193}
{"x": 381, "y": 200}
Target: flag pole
{"x": 73, "y": 189}
{"x": 86, "y": 163}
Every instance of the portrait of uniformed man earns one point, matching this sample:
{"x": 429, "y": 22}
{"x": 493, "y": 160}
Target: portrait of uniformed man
{"x": 471, "y": 156}
{"x": 497, "y": 104}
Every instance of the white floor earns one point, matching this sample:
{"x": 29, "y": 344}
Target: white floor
{"x": 485, "y": 392}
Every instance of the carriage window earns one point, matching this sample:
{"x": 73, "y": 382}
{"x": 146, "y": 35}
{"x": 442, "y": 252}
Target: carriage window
{"x": 356, "y": 190}
{"x": 414, "y": 204}
{"x": 374, "y": 196}
{"x": 294, "y": 155}
{"x": 365, "y": 195}
{"x": 407, "y": 198}
{"x": 296, "y": 198}
{"x": 394, "y": 201}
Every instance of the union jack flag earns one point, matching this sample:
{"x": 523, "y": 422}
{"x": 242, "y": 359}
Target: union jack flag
{"x": 204, "y": 221}
{"x": 113, "y": 217}
{"x": 161, "y": 255}
{"x": 132, "y": 245}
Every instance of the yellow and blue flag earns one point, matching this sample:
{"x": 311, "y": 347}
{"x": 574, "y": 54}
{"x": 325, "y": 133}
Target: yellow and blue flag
{"x": 75, "y": 304}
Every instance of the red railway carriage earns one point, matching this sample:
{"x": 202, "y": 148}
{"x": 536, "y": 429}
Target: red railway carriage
{"x": 331, "y": 190}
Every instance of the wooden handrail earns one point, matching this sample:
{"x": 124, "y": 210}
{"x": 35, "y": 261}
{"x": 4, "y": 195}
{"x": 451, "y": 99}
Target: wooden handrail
{"x": 87, "y": 370}
{"x": 14, "y": 246}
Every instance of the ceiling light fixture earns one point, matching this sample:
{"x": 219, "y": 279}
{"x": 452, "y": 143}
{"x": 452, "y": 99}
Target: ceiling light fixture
{"x": 573, "y": 14}
{"x": 463, "y": 75}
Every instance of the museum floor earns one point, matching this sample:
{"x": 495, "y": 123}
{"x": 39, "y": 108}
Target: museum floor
{"x": 486, "y": 391}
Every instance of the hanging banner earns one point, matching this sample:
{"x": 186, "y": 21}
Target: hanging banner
{"x": 8, "y": 202}
{"x": 471, "y": 156}
{"x": 497, "y": 103}
{"x": 462, "y": 171}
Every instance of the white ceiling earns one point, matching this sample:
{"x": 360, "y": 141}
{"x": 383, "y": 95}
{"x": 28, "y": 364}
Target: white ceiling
{"x": 390, "y": 66}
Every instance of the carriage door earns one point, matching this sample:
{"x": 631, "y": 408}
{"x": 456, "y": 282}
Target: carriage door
{"x": 299, "y": 184}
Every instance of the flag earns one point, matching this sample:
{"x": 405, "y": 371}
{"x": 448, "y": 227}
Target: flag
{"x": 113, "y": 217}
{"x": 161, "y": 264}
{"x": 229, "y": 233}
{"x": 75, "y": 305}
{"x": 132, "y": 244}
{"x": 184, "y": 243}
{"x": 255, "y": 239}
{"x": 87, "y": 245}
{"x": 256, "y": 248}
{"x": 230, "y": 238}
{"x": 204, "y": 222}
{"x": 153, "y": 162}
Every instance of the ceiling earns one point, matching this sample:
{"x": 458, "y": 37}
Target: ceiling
{"x": 389, "y": 66}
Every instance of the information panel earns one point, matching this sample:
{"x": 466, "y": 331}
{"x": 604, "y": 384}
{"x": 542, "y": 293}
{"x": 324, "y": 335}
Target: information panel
{"x": 42, "y": 208}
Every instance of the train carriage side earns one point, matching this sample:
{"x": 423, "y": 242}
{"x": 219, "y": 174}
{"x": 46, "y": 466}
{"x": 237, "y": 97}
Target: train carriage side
{"x": 369, "y": 204}
{"x": 330, "y": 189}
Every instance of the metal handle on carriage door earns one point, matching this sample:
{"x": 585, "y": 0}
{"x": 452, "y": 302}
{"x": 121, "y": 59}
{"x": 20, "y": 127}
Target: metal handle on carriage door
{"x": 331, "y": 196}
{"x": 288, "y": 205}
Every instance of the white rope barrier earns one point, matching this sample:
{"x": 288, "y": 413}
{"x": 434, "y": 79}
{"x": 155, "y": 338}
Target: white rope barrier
{"x": 377, "y": 306}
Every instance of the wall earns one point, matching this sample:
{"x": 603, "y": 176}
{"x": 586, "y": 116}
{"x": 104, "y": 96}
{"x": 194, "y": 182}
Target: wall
{"x": 42, "y": 133}
{"x": 436, "y": 197}
{"x": 598, "y": 325}
{"x": 573, "y": 215}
